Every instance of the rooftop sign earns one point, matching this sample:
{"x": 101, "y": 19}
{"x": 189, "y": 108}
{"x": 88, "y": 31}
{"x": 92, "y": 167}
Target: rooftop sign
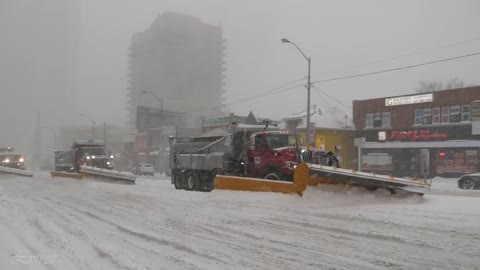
{"x": 395, "y": 101}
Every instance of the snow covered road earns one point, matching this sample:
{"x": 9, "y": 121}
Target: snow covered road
{"x": 59, "y": 223}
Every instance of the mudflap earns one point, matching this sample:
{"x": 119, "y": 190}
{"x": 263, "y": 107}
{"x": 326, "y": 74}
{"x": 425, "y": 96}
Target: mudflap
{"x": 108, "y": 175}
{"x": 13, "y": 171}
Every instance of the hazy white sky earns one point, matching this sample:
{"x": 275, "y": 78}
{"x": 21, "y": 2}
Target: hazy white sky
{"x": 336, "y": 34}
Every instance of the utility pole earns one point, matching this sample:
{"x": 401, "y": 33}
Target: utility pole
{"x": 309, "y": 60}
{"x": 309, "y": 85}
{"x": 105, "y": 133}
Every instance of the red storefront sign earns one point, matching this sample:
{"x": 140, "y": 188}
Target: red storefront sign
{"x": 417, "y": 135}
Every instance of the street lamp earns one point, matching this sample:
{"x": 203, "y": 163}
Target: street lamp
{"x": 309, "y": 60}
{"x": 93, "y": 125}
{"x": 155, "y": 96}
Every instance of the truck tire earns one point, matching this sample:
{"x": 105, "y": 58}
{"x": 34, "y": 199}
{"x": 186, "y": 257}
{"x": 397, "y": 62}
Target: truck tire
{"x": 191, "y": 181}
{"x": 178, "y": 180}
{"x": 272, "y": 176}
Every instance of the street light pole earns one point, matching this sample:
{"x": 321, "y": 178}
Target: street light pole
{"x": 309, "y": 61}
{"x": 93, "y": 125}
{"x": 155, "y": 96}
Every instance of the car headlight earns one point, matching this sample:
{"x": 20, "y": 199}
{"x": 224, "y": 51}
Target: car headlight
{"x": 108, "y": 162}
{"x": 20, "y": 160}
{"x": 111, "y": 156}
{"x": 88, "y": 157}
{"x": 93, "y": 157}
{"x": 7, "y": 160}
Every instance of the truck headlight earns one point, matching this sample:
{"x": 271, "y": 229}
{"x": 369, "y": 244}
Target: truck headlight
{"x": 291, "y": 165}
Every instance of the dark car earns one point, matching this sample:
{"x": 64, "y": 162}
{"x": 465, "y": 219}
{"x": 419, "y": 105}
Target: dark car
{"x": 469, "y": 181}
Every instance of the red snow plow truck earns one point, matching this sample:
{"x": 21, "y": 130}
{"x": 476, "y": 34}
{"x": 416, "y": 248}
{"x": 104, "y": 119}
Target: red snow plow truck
{"x": 246, "y": 157}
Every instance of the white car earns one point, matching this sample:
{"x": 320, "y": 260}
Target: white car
{"x": 144, "y": 169}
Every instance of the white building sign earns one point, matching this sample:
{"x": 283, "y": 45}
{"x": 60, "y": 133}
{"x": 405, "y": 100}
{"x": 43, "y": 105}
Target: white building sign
{"x": 395, "y": 101}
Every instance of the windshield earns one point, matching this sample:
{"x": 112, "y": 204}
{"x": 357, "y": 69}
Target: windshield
{"x": 92, "y": 151}
{"x": 10, "y": 157}
{"x": 280, "y": 140}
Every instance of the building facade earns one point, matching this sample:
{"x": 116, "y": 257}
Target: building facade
{"x": 177, "y": 64}
{"x": 329, "y": 128}
{"x": 392, "y": 130}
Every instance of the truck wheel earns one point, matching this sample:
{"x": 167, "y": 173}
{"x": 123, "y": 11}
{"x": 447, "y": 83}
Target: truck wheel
{"x": 191, "y": 181}
{"x": 178, "y": 180}
{"x": 272, "y": 176}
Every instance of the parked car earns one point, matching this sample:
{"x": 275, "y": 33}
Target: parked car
{"x": 469, "y": 181}
{"x": 144, "y": 169}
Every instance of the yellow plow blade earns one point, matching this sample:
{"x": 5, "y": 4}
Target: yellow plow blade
{"x": 301, "y": 179}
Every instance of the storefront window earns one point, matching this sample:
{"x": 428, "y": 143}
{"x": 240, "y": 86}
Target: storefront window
{"x": 455, "y": 161}
{"x": 386, "y": 119}
{"x": 427, "y": 116}
{"x": 369, "y": 120}
{"x": 436, "y": 116}
{"x": 445, "y": 115}
{"x": 455, "y": 114}
{"x": 418, "y": 116}
{"x": 377, "y": 120}
{"x": 465, "y": 113}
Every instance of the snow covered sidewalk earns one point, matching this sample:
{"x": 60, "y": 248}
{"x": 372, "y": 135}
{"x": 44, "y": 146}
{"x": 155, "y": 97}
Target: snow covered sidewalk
{"x": 77, "y": 224}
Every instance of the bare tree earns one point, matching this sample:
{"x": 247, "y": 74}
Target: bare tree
{"x": 455, "y": 83}
{"x": 425, "y": 87}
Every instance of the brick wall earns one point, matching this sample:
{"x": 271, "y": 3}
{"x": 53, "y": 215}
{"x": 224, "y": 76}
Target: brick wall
{"x": 402, "y": 116}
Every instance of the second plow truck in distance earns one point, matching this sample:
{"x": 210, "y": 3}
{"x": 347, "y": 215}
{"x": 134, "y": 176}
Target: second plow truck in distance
{"x": 88, "y": 159}
{"x": 247, "y": 157}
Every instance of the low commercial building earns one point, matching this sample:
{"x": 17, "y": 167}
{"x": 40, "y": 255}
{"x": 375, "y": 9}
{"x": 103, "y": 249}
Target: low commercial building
{"x": 329, "y": 128}
{"x": 392, "y": 130}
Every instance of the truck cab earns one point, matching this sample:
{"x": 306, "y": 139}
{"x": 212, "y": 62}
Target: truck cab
{"x": 272, "y": 155}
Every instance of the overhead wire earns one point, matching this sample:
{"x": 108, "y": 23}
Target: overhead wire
{"x": 398, "y": 68}
{"x": 419, "y": 52}
{"x": 269, "y": 92}
{"x": 282, "y": 88}
{"x": 334, "y": 99}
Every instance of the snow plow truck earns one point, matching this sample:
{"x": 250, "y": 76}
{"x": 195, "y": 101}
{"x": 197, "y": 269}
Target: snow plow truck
{"x": 88, "y": 159}
{"x": 12, "y": 163}
{"x": 251, "y": 159}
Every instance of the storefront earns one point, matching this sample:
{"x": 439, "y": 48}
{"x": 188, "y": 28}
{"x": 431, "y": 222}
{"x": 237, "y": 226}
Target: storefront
{"x": 447, "y": 158}
{"x": 391, "y": 132}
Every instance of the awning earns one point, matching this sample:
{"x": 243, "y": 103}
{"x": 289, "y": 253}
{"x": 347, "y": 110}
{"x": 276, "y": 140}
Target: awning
{"x": 436, "y": 144}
